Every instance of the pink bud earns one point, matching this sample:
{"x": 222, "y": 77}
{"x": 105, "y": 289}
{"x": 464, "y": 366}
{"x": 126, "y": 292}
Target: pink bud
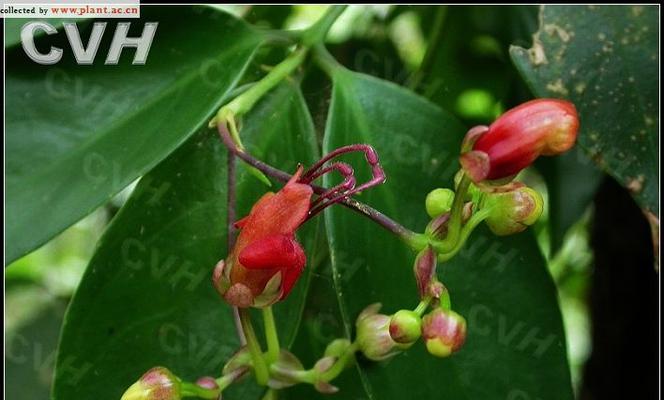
{"x": 207, "y": 382}
{"x": 444, "y": 332}
{"x": 157, "y": 384}
{"x": 425, "y": 270}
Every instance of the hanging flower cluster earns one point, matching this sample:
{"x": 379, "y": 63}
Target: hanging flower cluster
{"x": 266, "y": 260}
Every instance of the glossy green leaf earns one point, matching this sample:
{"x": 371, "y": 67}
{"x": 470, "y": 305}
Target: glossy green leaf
{"x": 605, "y": 60}
{"x": 146, "y": 298}
{"x": 78, "y": 134}
{"x": 516, "y": 345}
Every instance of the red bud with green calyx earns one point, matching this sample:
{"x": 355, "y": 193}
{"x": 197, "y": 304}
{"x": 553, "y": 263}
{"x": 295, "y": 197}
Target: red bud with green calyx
{"x": 538, "y": 127}
{"x": 443, "y": 331}
{"x": 513, "y": 211}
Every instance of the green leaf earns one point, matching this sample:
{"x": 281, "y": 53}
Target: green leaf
{"x": 32, "y": 323}
{"x": 572, "y": 181}
{"x": 515, "y": 346}
{"x": 146, "y": 298}
{"x": 76, "y": 134}
{"x": 605, "y": 60}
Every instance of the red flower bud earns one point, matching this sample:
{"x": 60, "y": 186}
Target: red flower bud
{"x": 444, "y": 332}
{"x": 538, "y": 127}
{"x": 266, "y": 259}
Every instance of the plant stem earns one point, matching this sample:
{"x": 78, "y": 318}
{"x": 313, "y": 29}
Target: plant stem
{"x": 326, "y": 61}
{"x": 415, "y": 240}
{"x": 472, "y": 223}
{"x": 226, "y": 380}
{"x": 451, "y": 240}
{"x": 271, "y": 335}
{"x": 244, "y": 102}
{"x": 445, "y": 300}
{"x": 432, "y": 48}
{"x": 317, "y": 32}
{"x": 340, "y": 364}
{"x": 422, "y": 307}
{"x": 193, "y": 390}
{"x": 260, "y": 368}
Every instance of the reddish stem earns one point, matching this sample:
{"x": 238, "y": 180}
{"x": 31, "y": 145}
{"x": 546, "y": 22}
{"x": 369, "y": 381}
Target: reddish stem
{"x": 361, "y": 208}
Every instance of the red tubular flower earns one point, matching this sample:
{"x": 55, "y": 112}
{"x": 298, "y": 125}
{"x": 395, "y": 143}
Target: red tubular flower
{"x": 538, "y": 127}
{"x": 266, "y": 259}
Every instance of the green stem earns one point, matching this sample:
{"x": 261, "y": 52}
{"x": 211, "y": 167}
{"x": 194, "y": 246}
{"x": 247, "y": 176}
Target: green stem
{"x": 432, "y": 48}
{"x": 445, "y": 301}
{"x": 311, "y": 376}
{"x": 340, "y": 364}
{"x": 422, "y": 307}
{"x": 326, "y": 61}
{"x": 317, "y": 32}
{"x": 472, "y": 223}
{"x": 243, "y": 103}
{"x": 260, "y": 367}
{"x": 271, "y": 335}
{"x": 193, "y": 390}
{"x": 452, "y": 239}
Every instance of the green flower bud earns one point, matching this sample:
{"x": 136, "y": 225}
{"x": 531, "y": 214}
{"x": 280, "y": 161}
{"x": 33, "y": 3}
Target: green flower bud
{"x": 513, "y": 211}
{"x": 405, "y": 327}
{"x": 439, "y": 201}
{"x": 444, "y": 332}
{"x": 157, "y": 384}
{"x": 373, "y": 335}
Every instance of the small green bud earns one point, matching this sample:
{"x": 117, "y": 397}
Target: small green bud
{"x": 405, "y": 327}
{"x": 157, "y": 384}
{"x": 444, "y": 332}
{"x": 513, "y": 211}
{"x": 439, "y": 201}
{"x": 373, "y": 335}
